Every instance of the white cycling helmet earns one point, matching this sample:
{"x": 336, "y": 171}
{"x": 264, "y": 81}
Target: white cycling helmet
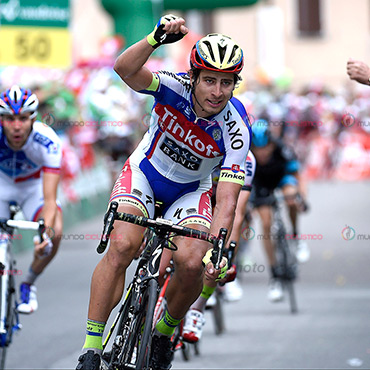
{"x": 17, "y": 100}
{"x": 217, "y": 52}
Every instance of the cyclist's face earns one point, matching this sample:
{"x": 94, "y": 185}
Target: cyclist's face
{"x": 212, "y": 92}
{"x": 17, "y": 129}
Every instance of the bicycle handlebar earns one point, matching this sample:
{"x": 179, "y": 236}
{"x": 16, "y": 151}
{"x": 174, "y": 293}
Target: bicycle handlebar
{"x": 162, "y": 225}
{"x": 218, "y": 249}
{"x": 27, "y": 225}
{"x": 21, "y": 224}
{"x": 9, "y": 225}
{"x": 230, "y": 255}
{"x": 274, "y": 198}
{"x": 230, "y": 252}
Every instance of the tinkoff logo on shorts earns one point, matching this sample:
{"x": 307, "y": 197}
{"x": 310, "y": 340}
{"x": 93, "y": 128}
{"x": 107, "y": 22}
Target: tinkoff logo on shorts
{"x": 348, "y": 233}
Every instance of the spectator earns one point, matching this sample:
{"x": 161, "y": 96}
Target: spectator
{"x": 358, "y": 71}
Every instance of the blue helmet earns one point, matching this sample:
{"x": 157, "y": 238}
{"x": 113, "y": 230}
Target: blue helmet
{"x": 260, "y": 133}
{"x": 17, "y": 100}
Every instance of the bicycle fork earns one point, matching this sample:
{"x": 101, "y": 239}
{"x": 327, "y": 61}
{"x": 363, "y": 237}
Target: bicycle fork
{"x": 5, "y": 292}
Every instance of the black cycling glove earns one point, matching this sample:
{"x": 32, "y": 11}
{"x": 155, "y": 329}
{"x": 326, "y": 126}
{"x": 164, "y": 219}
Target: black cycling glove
{"x": 159, "y": 37}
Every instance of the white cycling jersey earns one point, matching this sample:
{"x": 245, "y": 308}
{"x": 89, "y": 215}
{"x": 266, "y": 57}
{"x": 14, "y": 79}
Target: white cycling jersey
{"x": 185, "y": 148}
{"x": 174, "y": 161}
{"x": 21, "y": 170}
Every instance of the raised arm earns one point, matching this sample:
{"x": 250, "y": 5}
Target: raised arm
{"x": 130, "y": 64}
{"x": 358, "y": 71}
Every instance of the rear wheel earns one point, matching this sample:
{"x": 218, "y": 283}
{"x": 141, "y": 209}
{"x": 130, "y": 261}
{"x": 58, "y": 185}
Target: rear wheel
{"x": 185, "y": 351}
{"x": 292, "y": 298}
{"x": 288, "y": 269}
{"x": 290, "y": 276}
{"x": 196, "y": 349}
{"x": 178, "y": 344}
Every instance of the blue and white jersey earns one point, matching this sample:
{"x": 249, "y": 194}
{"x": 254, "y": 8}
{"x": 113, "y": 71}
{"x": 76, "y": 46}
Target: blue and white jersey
{"x": 185, "y": 148}
{"x": 42, "y": 152}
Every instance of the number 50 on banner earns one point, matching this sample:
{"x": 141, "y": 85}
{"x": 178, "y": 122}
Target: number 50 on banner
{"x": 35, "y": 46}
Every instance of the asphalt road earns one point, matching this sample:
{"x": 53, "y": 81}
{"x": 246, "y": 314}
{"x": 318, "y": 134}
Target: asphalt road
{"x": 331, "y": 330}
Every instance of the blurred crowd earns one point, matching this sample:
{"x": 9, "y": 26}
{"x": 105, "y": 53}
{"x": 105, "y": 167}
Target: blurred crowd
{"x": 330, "y": 131}
{"x": 97, "y": 117}
{"x": 100, "y": 119}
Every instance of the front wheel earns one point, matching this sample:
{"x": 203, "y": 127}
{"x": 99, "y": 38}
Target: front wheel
{"x": 144, "y": 327}
{"x": 289, "y": 284}
{"x": 131, "y": 345}
{"x": 9, "y": 317}
{"x": 218, "y": 315}
{"x": 289, "y": 270}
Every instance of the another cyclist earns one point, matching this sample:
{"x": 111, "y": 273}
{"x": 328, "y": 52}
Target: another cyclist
{"x": 277, "y": 167}
{"x": 30, "y": 158}
{"x": 195, "y": 125}
{"x": 194, "y": 320}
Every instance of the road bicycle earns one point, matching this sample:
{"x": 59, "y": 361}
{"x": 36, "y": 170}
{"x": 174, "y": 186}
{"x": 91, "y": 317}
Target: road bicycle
{"x": 287, "y": 263}
{"x": 9, "y": 320}
{"x": 133, "y": 324}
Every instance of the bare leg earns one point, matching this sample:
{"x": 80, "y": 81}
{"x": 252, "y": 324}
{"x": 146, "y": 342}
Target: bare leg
{"x": 290, "y": 193}
{"x": 187, "y": 281}
{"x": 108, "y": 279}
{"x": 266, "y": 218}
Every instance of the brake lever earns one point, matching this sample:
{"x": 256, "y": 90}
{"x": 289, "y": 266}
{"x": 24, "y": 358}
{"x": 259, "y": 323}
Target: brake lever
{"x": 218, "y": 248}
{"x": 109, "y": 219}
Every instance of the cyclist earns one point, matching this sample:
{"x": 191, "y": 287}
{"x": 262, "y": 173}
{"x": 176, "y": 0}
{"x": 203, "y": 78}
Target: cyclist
{"x": 30, "y": 158}
{"x": 195, "y": 125}
{"x": 277, "y": 167}
{"x": 194, "y": 320}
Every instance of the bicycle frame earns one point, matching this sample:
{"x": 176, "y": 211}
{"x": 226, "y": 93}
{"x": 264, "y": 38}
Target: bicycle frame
{"x": 6, "y": 266}
{"x": 147, "y": 268}
{"x": 285, "y": 258}
{"x": 9, "y": 320}
{"x": 128, "y": 351}
{"x": 177, "y": 339}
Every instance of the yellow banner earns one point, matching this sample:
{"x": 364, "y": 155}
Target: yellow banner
{"x": 35, "y": 46}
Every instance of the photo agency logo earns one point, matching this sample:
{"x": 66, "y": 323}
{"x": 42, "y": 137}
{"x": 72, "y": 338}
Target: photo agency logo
{"x": 48, "y": 232}
{"x": 248, "y": 233}
{"x": 348, "y": 120}
{"x": 48, "y": 119}
{"x": 146, "y": 119}
{"x": 348, "y": 233}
